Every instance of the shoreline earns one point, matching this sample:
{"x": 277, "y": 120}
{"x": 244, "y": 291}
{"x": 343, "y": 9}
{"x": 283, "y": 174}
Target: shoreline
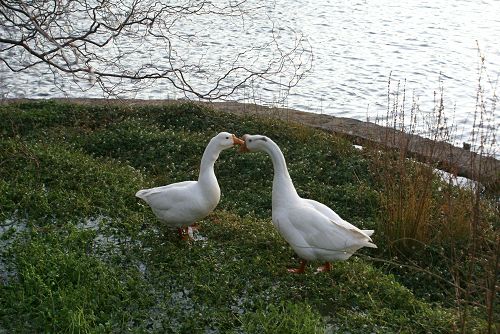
{"x": 444, "y": 156}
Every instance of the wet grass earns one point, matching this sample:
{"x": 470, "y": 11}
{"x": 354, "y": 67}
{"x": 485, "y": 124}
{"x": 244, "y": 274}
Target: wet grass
{"x": 79, "y": 253}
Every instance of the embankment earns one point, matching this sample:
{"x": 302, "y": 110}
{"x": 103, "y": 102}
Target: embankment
{"x": 443, "y": 155}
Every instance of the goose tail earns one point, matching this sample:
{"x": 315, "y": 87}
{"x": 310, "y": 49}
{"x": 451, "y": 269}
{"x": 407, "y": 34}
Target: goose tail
{"x": 368, "y": 232}
{"x": 141, "y": 194}
{"x": 369, "y": 243}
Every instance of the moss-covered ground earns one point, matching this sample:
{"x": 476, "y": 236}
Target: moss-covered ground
{"x": 80, "y": 254}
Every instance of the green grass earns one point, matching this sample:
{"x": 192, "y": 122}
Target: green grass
{"x": 80, "y": 254}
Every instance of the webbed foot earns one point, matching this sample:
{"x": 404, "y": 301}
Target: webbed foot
{"x": 326, "y": 267}
{"x": 300, "y": 270}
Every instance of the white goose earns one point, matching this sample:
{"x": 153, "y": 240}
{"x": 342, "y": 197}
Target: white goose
{"x": 182, "y": 204}
{"x": 313, "y": 230}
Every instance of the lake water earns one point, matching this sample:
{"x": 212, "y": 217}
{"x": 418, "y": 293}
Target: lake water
{"x": 425, "y": 45}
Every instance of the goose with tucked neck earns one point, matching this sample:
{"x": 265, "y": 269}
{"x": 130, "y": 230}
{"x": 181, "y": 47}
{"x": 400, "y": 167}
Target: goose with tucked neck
{"x": 184, "y": 203}
{"x": 313, "y": 230}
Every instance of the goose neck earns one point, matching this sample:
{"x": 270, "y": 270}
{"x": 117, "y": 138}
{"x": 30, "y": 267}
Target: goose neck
{"x": 278, "y": 159}
{"x": 210, "y": 155}
{"x": 282, "y": 182}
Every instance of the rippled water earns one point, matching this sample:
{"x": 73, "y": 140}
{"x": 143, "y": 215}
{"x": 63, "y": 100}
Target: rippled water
{"x": 357, "y": 45}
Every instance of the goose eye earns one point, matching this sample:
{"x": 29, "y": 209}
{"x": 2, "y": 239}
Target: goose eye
{"x": 227, "y": 137}
{"x": 250, "y": 140}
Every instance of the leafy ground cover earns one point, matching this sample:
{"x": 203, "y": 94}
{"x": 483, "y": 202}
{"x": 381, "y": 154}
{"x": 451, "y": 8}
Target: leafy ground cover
{"x": 79, "y": 253}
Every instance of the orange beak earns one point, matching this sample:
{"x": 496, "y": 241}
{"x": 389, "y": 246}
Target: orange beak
{"x": 237, "y": 141}
{"x": 243, "y": 147}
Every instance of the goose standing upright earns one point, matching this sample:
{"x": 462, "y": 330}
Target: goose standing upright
{"x": 184, "y": 203}
{"x": 313, "y": 230}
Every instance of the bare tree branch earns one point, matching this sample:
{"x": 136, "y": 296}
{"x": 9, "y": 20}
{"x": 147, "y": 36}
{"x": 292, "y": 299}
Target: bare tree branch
{"x": 125, "y": 45}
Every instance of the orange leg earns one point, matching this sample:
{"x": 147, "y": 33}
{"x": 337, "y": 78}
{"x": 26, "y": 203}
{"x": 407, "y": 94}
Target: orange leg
{"x": 184, "y": 233}
{"x": 326, "y": 267}
{"x": 300, "y": 270}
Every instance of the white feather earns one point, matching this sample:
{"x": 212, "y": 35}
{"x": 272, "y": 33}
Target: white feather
{"x": 182, "y": 204}
{"x": 312, "y": 229}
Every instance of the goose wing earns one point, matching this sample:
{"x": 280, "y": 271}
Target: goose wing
{"x": 166, "y": 197}
{"x": 319, "y": 231}
{"x": 334, "y": 217}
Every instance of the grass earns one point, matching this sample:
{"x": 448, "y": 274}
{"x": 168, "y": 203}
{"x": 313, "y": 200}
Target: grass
{"x": 429, "y": 222}
{"x": 80, "y": 254}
